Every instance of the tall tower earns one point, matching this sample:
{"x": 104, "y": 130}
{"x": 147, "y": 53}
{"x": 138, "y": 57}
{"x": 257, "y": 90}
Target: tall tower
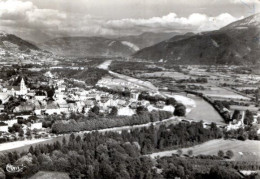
{"x": 23, "y": 88}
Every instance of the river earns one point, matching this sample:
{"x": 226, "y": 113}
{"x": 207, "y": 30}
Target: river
{"x": 204, "y": 111}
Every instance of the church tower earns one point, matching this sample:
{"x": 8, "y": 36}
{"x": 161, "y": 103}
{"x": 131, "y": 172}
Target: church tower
{"x": 23, "y": 88}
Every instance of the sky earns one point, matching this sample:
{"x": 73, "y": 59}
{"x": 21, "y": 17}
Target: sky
{"x": 51, "y": 18}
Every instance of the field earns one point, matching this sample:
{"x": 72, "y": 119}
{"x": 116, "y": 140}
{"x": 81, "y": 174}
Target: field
{"x": 217, "y": 92}
{"x": 48, "y": 175}
{"x": 248, "y": 150}
{"x": 118, "y": 84}
{"x": 119, "y": 81}
{"x": 174, "y": 75}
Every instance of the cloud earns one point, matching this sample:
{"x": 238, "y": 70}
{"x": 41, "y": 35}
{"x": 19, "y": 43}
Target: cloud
{"x": 26, "y": 14}
{"x": 170, "y": 22}
{"x": 23, "y": 15}
{"x": 245, "y": 1}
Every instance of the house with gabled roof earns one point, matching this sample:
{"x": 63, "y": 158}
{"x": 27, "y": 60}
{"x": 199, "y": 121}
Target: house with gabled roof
{"x": 52, "y": 108}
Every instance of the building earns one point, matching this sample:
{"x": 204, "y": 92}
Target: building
{"x": 40, "y": 95}
{"x": 160, "y": 104}
{"x": 64, "y": 107}
{"x": 52, "y": 108}
{"x": 16, "y": 90}
{"x": 11, "y": 122}
{"x": 3, "y": 127}
{"x": 37, "y": 125}
{"x": 2, "y": 108}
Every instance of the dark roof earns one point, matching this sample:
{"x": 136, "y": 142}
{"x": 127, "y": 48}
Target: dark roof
{"x": 16, "y": 88}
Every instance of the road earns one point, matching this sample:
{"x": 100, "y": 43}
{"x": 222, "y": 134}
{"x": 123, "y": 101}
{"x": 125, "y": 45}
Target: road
{"x": 21, "y": 146}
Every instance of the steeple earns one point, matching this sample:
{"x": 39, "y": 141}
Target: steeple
{"x": 23, "y": 88}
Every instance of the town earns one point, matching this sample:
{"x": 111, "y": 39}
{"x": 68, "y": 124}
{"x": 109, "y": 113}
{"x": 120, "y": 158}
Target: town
{"x": 27, "y": 104}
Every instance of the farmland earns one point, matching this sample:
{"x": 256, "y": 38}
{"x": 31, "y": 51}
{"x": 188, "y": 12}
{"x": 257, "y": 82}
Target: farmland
{"x": 169, "y": 74}
{"x": 47, "y": 175}
{"x": 218, "y": 92}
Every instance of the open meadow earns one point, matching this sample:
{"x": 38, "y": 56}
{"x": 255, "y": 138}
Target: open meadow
{"x": 248, "y": 150}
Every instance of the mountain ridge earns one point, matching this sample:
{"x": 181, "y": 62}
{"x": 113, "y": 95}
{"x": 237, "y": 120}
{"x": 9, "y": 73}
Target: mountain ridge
{"x": 228, "y": 45}
{"x": 87, "y": 46}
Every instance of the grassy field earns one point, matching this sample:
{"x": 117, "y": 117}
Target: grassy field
{"x": 248, "y": 150}
{"x": 216, "y": 92}
{"x": 174, "y": 75}
{"x": 50, "y": 175}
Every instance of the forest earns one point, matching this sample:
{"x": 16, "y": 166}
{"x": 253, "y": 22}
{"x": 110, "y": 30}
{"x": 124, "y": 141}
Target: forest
{"x": 123, "y": 155}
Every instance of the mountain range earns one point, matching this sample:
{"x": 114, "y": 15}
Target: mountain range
{"x": 88, "y": 46}
{"x": 147, "y": 39}
{"x": 10, "y": 41}
{"x": 237, "y": 43}
{"x": 101, "y": 46}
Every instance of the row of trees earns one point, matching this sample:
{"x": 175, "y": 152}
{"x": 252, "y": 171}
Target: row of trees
{"x": 190, "y": 80}
{"x": 91, "y": 123}
{"x": 124, "y": 93}
{"x": 248, "y": 132}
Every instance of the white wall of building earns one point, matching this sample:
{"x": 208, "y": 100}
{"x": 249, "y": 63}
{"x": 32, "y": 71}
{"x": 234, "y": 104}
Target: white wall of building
{"x": 37, "y": 125}
{"x": 3, "y": 128}
{"x": 10, "y": 123}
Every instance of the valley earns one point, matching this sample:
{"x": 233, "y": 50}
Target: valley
{"x": 169, "y": 101}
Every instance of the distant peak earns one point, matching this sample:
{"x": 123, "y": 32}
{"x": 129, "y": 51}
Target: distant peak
{"x": 250, "y": 21}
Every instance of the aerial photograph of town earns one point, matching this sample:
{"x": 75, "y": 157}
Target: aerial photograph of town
{"x": 130, "y": 89}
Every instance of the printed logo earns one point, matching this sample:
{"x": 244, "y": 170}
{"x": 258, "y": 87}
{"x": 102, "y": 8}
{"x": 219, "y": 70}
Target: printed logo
{"x": 14, "y": 169}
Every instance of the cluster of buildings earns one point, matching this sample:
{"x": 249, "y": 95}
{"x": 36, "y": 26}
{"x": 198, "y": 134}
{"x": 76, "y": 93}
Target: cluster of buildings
{"x": 65, "y": 100}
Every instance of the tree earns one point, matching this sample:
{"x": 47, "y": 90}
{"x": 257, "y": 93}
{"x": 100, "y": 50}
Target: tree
{"x": 229, "y": 154}
{"x": 226, "y": 116}
{"x": 28, "y": 132}
{"x": 78, "y": 139}
{"x": 31, "y": 150}
{"x": 2, "y": 173}
{"x": 21, "y": 133}
{"x": 113, "y": 111}
{"x": 221, "y": 153}
{"x": 171, "y": 101}
{"x": 179, "y": 152}
{"x": 64, "y": 142}
{"x": 219, "y": 172}
{"x": 190, "y": 152}
{"x": 249, "y": 118}
{"x": 180, "y": 110}
{"x": 236, "y": 115}
{"x": 141, "y": 109}
{"x": 95, "y": 110}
